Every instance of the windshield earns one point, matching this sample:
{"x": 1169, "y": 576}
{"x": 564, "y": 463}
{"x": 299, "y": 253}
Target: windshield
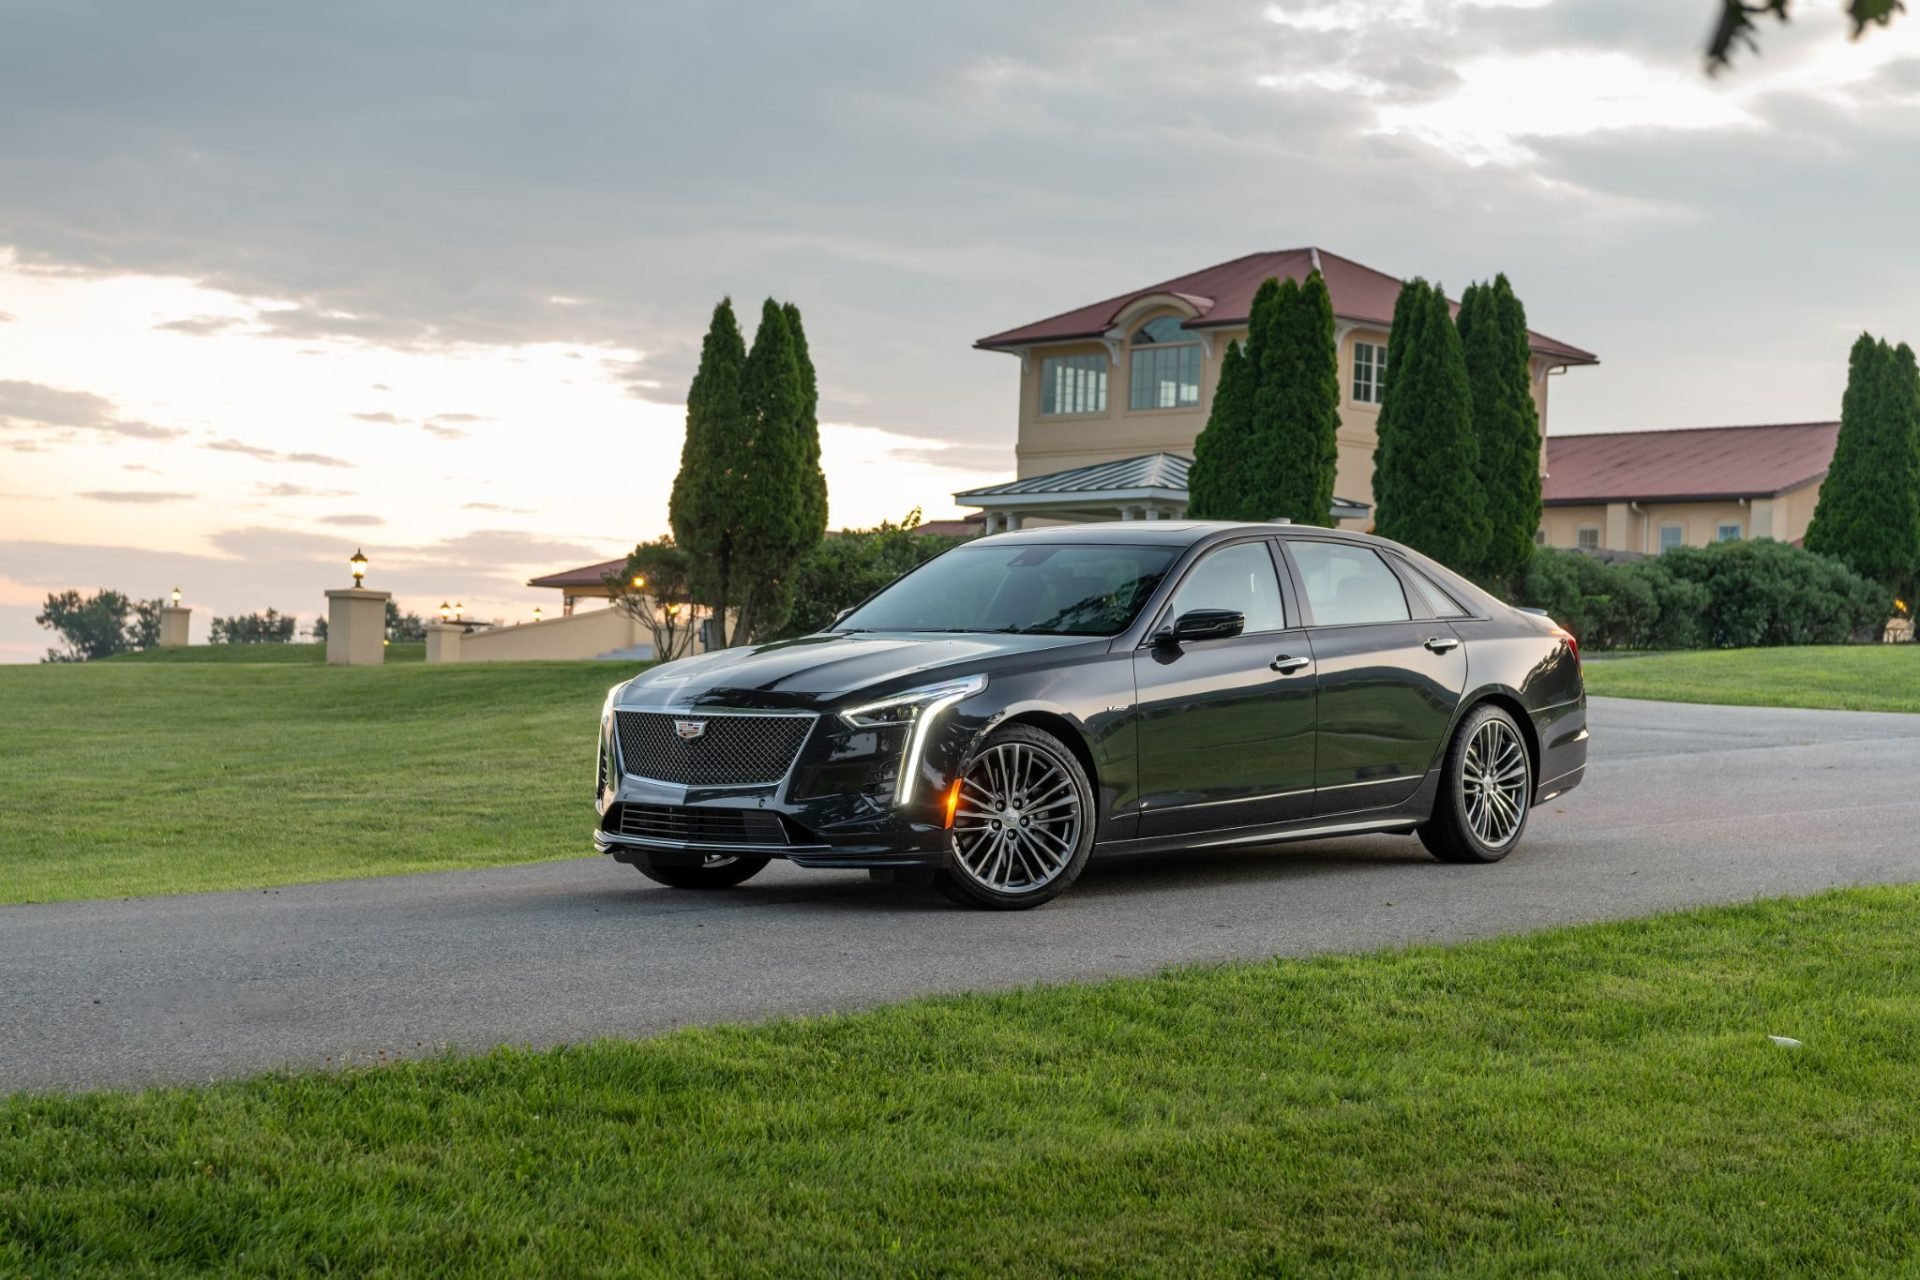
{"x": 1072, "y": 589}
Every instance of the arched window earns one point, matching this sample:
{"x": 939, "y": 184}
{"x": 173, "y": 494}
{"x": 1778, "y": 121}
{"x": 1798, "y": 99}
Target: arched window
{"x": 1166, "y": 366}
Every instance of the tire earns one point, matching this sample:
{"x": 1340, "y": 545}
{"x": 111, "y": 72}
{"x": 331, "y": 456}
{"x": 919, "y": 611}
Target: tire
{"x": 720, "y": 871}
{"x": 1486, "y": 790}
{"x": 1023, "y": 828}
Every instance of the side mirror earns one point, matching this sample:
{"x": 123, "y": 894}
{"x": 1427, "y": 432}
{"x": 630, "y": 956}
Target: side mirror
{"x": 1209, "y": 624}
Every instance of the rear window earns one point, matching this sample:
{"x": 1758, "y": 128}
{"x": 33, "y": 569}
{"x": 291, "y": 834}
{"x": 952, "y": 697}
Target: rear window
{"x": 1438, "y": 599}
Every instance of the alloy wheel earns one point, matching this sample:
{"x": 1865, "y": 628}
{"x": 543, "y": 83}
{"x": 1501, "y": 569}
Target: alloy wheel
{"x": 1017, "y": 822}
{"x": 1494, "y": 783}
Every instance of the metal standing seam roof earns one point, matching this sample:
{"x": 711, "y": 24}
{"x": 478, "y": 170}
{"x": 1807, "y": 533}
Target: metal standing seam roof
{"x": 1148, "y": 471}
{"x": 1163, "y": 471}
{"x": 1223, "y": 295}
{"x": 1689, "y": 464}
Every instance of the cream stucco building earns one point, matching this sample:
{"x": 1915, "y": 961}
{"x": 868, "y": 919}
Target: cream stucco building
{"x": 1646, "y": 491}
{"x": 1133, "y": 376}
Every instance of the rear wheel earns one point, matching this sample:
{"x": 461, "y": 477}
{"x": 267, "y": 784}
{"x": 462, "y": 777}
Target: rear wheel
{"x": 1023, "y": 825}
{"x": 717, "y": 871}
{"x": 1485, "y": 791}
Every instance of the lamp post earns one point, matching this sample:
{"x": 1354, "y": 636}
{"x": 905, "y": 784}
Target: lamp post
{"x": 173, "y": 623}
{"x": 446, "y": 612}
{"x": 459, "y": 612}
{"x": 536, "y": 613}
{"x": 357, "y": 620}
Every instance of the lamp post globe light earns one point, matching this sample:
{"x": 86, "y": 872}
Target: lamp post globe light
{"x": 446, "y": 612}
{"x": 357, "y": 620}
{"x": 176, "y": 597}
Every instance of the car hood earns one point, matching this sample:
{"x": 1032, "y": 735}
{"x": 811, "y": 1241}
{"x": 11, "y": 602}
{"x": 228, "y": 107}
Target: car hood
{"x": 817, "y": 670}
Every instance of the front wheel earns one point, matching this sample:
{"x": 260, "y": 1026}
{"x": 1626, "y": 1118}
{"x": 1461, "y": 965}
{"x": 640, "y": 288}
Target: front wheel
{"x": 718, "y": 871}
{"x": 1023, "y": 823}
{"x": 1485, "y": 791}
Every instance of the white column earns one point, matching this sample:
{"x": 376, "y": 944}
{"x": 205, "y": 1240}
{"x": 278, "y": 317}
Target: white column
{"x": 357, "y": 627}
{"x": 443, "y": 641}
{"x": 173, "y": 626}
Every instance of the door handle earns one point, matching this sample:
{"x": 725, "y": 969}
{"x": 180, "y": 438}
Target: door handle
{"x": 1440, "y": 644}
{"x": 1286, "y": 665}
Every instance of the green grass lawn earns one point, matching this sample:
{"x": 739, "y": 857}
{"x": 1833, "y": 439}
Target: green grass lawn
{"x": 255, "y": 654}
{"x": 1881, "y": 677}
{"x": 168, "y": 775}
{"x": 1601, "y": 1100}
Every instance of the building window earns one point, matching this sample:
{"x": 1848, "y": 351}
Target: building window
{"x": 1539, "y": 537}
{"x": 1671, "y": 536}
{"x": 1073, "y": 384}
{"x": 1369, "y": 372}
{"x": 1588, "y": 538}
{"x": 1727, "y": 533}
{"x": 1166, "y": 366}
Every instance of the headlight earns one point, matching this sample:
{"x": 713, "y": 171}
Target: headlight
{"x": 916, "y": 708}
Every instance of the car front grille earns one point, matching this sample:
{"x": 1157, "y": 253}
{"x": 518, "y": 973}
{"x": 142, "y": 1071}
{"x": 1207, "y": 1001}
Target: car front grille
{"x": 701, "y": 826}
{"x": 697, "y": 750}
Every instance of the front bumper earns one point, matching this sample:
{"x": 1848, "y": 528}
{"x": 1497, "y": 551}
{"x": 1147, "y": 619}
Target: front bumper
{"x": 835, "y": 807}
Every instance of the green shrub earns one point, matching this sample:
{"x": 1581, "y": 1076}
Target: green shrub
{"x": 1765, "y": 592}
{"x": 1728, "y": 595}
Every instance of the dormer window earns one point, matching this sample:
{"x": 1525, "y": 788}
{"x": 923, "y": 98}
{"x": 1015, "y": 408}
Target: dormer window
{"x": 1166, "y": 366}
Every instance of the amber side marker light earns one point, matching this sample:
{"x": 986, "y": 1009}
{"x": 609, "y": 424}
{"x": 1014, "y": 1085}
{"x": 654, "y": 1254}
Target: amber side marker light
{"x": 953, "y": 801}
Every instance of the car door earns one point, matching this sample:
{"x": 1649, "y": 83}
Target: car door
{"x": 1388, "y": 676}
{"x": 1225, "y": 726}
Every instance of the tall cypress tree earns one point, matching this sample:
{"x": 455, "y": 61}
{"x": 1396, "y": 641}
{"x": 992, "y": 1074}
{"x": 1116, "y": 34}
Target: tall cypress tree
{"x": 1493, "y": 340}
{"x": 705, "y": 509}
{"x": 776, "y": 498}
{"x": 815, "y": 517}
{"x": 1296, "y": 415}
{"x": 1868, "y": 513}
{"x": 1426, "y": 465}
{"x": 1213, "y": 486}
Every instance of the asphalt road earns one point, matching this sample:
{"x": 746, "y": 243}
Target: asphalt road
{"x": 1683, "y": 805}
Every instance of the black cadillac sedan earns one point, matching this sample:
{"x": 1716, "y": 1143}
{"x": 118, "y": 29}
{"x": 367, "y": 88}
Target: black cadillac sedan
{"x": 995, "y": 717}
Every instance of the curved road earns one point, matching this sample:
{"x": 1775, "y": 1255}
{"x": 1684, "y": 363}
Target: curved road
{"x": 1683, "y": 805}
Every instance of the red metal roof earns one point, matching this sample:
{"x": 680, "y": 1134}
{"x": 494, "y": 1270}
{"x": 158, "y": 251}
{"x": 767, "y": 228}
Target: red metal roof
{"x": 960, "y": 527}
{"x": 1690, "y": 464}
{"x": 1223, "y": 295}
{"x": 593, "y": 575}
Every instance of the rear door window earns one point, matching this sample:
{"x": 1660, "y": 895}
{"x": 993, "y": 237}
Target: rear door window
{"x": 1348, "y": 585}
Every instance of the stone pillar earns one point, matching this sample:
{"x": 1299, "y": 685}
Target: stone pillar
{"x": 173, "y": 626}
{"x": 357, "y": 627}
{"x": 443, "y": 641}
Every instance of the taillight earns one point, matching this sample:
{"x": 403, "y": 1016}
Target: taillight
{"x": 1573, "y": 642}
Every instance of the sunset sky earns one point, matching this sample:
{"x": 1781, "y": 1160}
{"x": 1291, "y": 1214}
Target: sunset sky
{"x": 277, "y": 282}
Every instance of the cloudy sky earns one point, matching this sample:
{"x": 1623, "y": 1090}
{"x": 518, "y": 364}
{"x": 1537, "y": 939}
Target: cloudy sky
{"x": 279, "y": 280}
